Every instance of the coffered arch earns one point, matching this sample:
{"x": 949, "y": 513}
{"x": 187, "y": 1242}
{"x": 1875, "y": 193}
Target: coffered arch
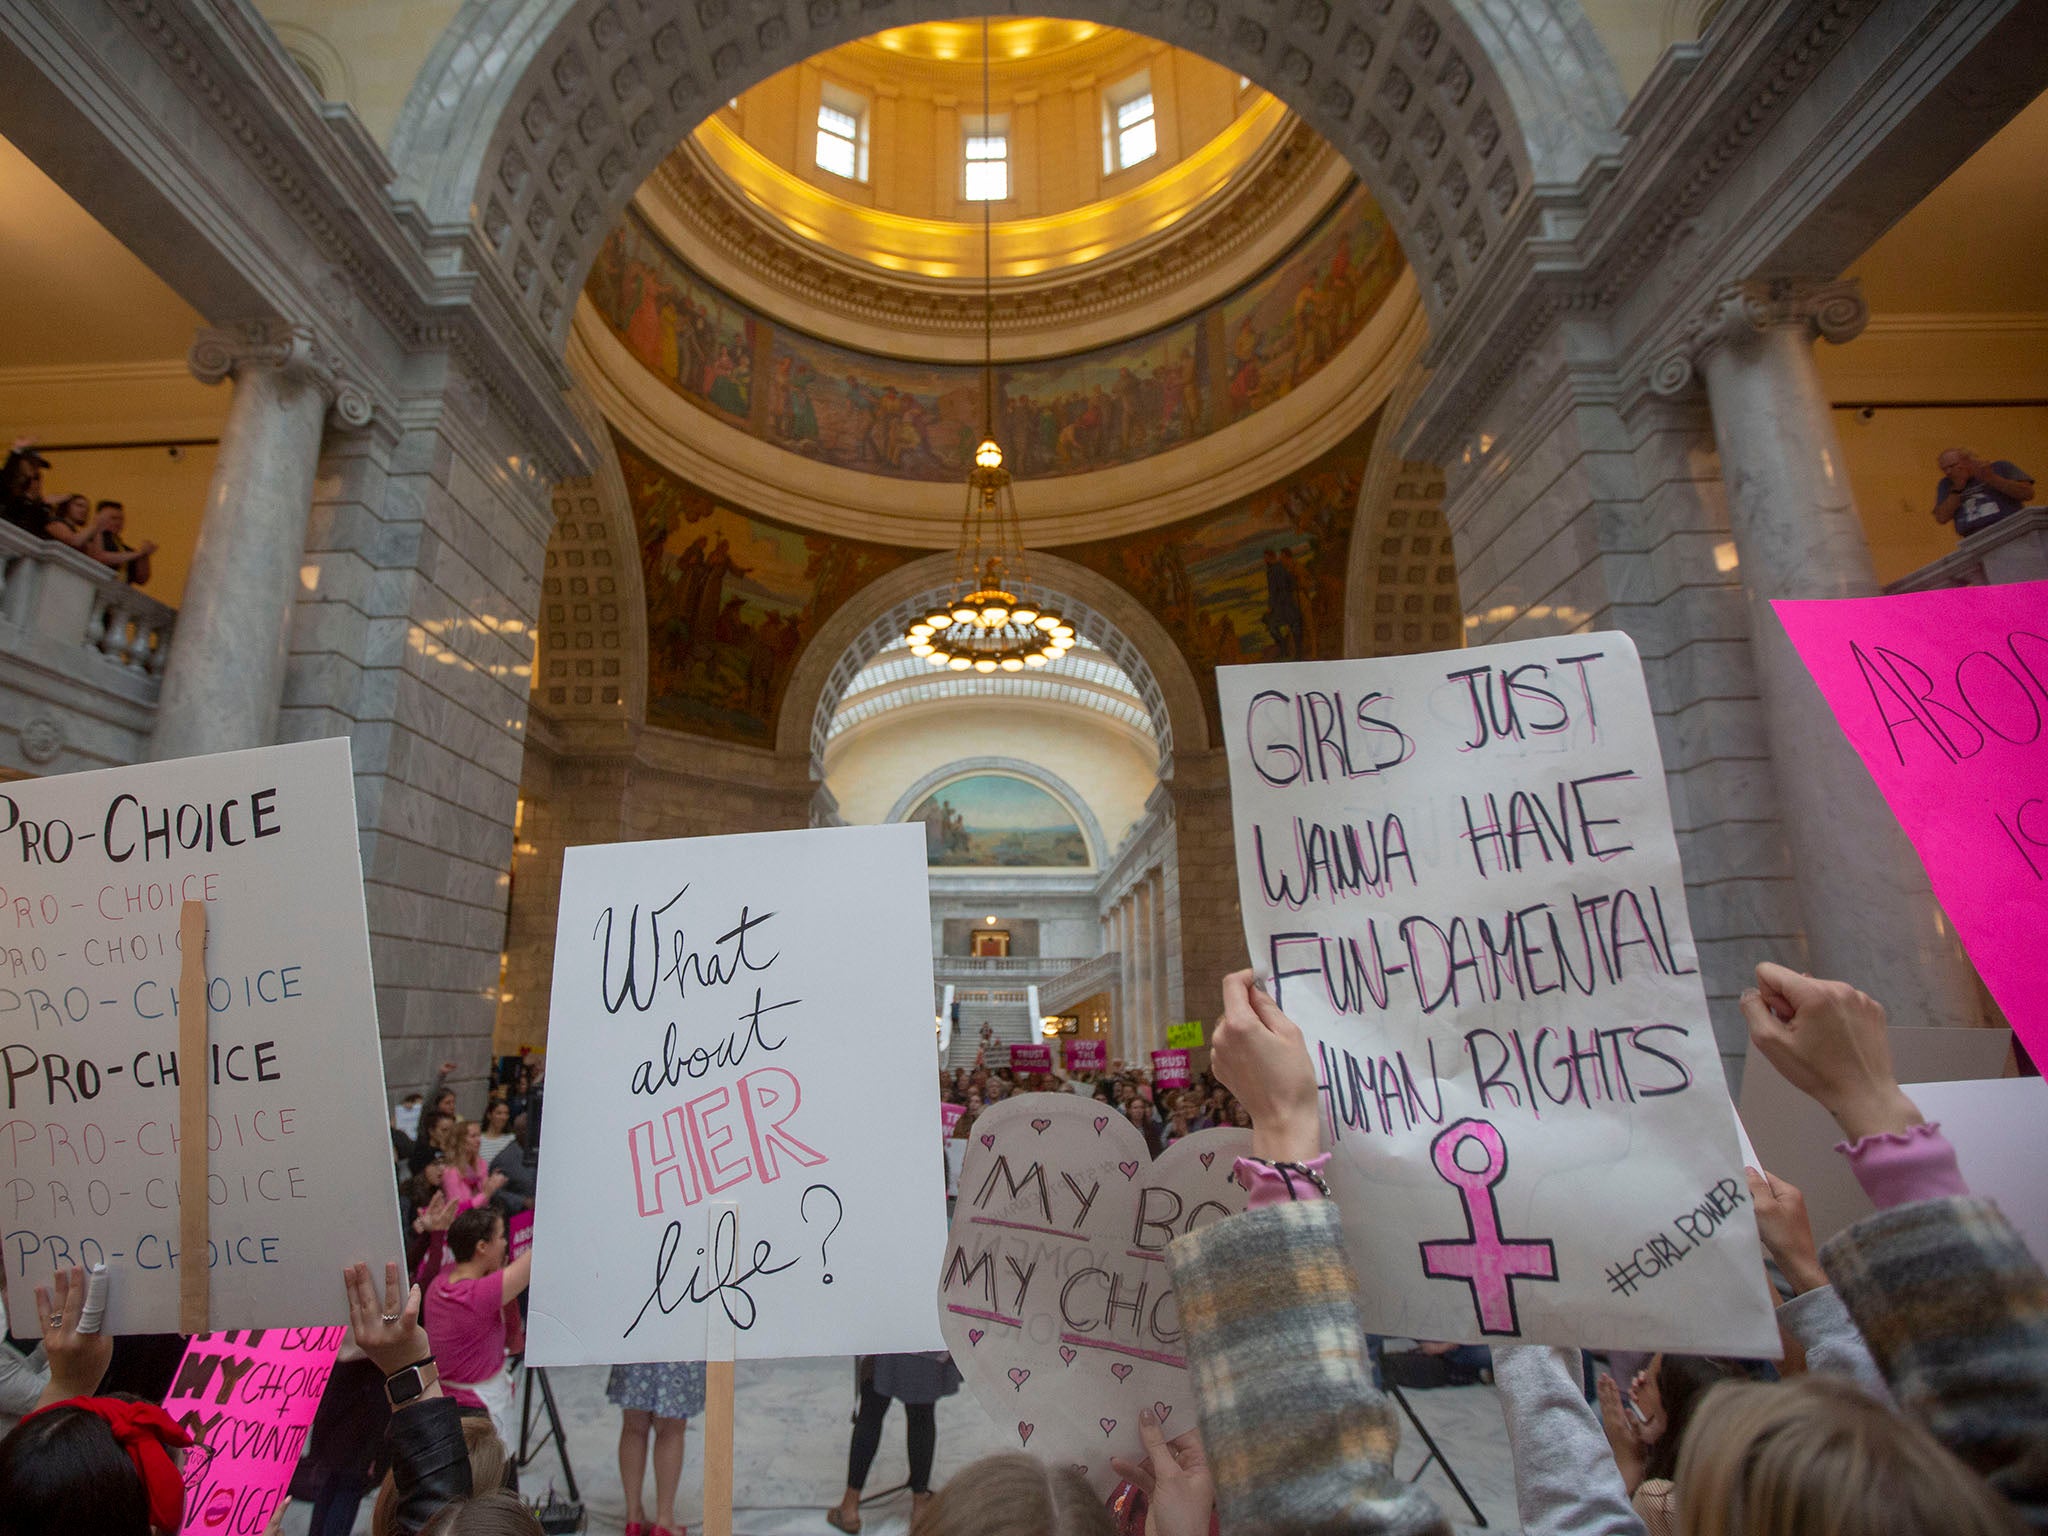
{"x": 537, "y": 119}
{"x": 1100, "y": 611}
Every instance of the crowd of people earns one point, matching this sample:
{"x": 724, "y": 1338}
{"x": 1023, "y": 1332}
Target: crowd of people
{"x": 1161, "y": 1115}
{"x": 1912, "y": 1397}
{"x": 92, "y": 528}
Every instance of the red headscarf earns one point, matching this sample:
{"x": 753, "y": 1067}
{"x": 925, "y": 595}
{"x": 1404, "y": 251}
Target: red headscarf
{"x": 143, "y": 1431}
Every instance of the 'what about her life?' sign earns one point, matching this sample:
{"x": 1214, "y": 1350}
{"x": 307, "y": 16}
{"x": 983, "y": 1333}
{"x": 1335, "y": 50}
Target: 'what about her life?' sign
{"x": 1459, "y": 877}
{"x": 1944, "y": 695}
{"x": 740, "y": 1034}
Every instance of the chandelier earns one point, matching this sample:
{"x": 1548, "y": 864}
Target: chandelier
{"x": 985, "y": 625}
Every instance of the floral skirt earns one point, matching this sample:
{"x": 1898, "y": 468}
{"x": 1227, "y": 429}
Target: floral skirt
{"x": 668, "y": 1391}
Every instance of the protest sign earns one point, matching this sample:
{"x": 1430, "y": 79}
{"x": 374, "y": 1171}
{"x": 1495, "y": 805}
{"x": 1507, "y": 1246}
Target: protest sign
{"x": 1030, "y": 1058}
{"x": 1795, "y": 1138}
{"x": 2000, "y": 1132}
{"x": 1185, "y": 1037}
{"x": 1944, "y": 695}
{"x": 720, "y": 1032}
{"x": 1086, "y": 1055}
{"x": 1458, "y": 875}
{"x": 248, "y": 1401}
{"x": 94, "y": 870}
{"x": 949, "y": 1116}
{"x": 1170, "y": 1069}
{"x": 1056, "y": 1299}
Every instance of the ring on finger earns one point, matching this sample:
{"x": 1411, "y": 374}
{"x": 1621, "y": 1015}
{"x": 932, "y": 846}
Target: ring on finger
{"x": 389, "y": 1317}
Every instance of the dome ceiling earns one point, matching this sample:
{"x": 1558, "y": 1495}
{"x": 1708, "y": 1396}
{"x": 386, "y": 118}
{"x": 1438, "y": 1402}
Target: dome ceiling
{"x": 1216, "y": 349}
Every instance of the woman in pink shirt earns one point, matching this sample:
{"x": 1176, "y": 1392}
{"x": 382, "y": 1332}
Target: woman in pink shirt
{"x": 466, "y": 1180}
{"x": 465, "y": 1316}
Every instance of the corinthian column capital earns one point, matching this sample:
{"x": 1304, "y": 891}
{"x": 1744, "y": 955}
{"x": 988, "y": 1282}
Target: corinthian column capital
{"x": 1834, "y": 310}
{"x": 293, "y": 350}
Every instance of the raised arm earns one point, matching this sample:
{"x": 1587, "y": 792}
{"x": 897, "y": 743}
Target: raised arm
{"x": 1298, "y": 1437}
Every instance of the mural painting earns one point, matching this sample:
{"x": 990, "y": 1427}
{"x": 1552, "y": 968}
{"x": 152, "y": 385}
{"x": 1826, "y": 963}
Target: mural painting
{"x": 731, "y": 601}
{"x": 993, "y": 820}
{"x": 1070, "y": 415}
{"x": 1285, "y": 326}
{"x": 694, "y": 338}
{"x": 1260, "y": 578}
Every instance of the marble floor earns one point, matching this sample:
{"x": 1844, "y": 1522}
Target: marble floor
{"x": 792, "y": 1422}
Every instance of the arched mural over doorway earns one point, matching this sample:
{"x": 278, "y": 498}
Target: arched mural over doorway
{"x": 993, "y": 814}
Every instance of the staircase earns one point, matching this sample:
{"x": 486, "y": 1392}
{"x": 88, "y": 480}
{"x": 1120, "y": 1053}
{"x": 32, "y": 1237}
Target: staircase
{"x": 1005, "y": 1007}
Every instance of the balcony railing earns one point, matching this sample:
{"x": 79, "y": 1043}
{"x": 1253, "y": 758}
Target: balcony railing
{"x": 957, "y": 968}
{"x": 82, "y": 656}
{"x": 2014, "y": 550}
{"x": 1102, "y": 974}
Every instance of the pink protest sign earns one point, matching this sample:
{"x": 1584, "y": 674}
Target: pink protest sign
{"x": 1086, "y": 1055}
{"x": 1944, "y": 695}
{"x": 1030, "y": 1058}
{"x": 248, "y": 1400}
{"x": 949, "y": 1116}
{"x": 518, "y": 1234}
{"x": 1170, "y": 1069}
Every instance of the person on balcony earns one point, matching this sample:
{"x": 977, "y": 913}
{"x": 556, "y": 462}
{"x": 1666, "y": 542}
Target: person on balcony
{"x": 1975, "y": 495}
{"x": 106, "y": 545}
{"x": 21, "y": 489}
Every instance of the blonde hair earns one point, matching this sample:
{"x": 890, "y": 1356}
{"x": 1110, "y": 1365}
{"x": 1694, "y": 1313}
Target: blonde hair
{"x": 487, "y": 1461}
{"x": 448, "y": 1138}
{"x": 1013, "y": 1494}
{"x": 1814, "y": 1456}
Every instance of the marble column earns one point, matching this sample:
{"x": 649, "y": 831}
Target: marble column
{"x": 1869, "y": 915}
{"x": 1155, "y": 884}
{"x": 225, "y": 676}
{"x": 1127, "y": 990}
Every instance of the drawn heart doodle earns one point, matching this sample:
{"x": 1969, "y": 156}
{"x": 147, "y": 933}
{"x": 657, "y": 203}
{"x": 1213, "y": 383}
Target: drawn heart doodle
{"x": 1038, "y": 1347}
{"x": 1162, "y": 1411}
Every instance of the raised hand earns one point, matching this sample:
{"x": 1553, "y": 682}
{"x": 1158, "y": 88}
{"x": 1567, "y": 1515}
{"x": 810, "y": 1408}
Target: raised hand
{"x": 386, "y": 1329}
{"x": 1624, "y": 1438}
{"x": 1259, "y": 1054}
{"x": 1782, "y": 1223}
{"x": 1179, "y": 1489}
{"x": 78, "y": 1360}
{"x": 1828, "y": 1041}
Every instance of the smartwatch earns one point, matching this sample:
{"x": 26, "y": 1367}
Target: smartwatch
{"x": 403, "y": 1387}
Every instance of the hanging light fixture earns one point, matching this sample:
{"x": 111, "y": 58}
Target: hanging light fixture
{"x": 985, "y": 626}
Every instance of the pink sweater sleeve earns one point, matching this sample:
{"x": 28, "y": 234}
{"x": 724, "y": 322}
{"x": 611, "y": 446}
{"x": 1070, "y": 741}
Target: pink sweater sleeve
{"x": 1900, "y": 1167}
{"x": 459, "y": 1188}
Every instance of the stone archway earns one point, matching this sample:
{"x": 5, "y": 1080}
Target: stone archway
{"x": 1101, "y": 612}
{"x": 537, "y": 119}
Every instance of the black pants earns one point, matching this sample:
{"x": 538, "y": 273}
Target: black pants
{"x": 922, "y": 1430}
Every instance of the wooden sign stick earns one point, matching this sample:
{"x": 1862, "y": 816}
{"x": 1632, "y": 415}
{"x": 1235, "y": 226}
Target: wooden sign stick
{"x": 718, "y": 1404}
{"x": 193, "y": 1288}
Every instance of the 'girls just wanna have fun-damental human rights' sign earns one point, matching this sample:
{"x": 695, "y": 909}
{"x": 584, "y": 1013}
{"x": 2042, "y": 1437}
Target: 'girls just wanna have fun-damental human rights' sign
{"x": 1459, "y": 877}
{"x": 94, "y": 870}
{"x": 740, "y": 1041}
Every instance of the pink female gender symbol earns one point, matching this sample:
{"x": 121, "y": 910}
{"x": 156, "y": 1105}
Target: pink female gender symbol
{"x": 1486, "y": 1261}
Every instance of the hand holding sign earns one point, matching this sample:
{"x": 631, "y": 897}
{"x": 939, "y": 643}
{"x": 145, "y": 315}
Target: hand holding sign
{"x": 1055, "y": 1299}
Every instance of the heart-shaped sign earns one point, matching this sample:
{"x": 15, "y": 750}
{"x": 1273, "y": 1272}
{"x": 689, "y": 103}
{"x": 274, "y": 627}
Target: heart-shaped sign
{"x": 1056, "y": 1297}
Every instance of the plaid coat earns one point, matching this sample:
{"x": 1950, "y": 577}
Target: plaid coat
{"x": 1955, "y": 1310}
{"x": 1300, "y": 1439}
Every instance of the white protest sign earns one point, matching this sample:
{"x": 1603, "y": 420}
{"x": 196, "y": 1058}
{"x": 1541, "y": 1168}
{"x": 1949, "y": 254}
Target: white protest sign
{"x": 1055, "y": 1297}
{"x": 739, "y": 1021}
{"x": 94, "y": 868}
{"x": 1999, "y": 1128}
{"x": 1458, "y": 876}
